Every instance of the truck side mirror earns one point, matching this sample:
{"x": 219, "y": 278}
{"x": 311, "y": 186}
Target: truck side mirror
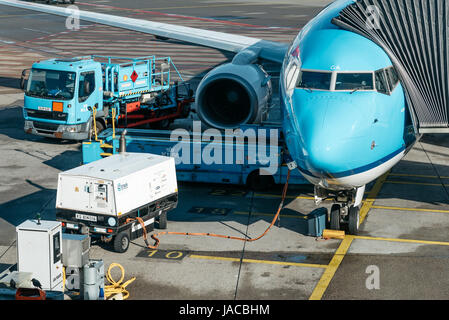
{"x": 24, "y": 79}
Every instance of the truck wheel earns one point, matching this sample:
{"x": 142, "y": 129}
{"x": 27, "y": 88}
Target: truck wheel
{"x": 162, "y": 222}
{"x": 100, "y": 127}
{"x": 121, "y": 242}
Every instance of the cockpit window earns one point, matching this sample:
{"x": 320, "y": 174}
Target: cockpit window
{"x": 354, "y": 81}
{"x": 314, "y": 80}
{"x": 393, "y": 78}
{"x": 381, "y": 82}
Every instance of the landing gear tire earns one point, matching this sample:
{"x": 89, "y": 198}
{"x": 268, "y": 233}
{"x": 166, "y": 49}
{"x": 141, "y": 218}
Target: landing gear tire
{"x": 335, "y": 217}
{"x": 353, "y": 220}
{"x": 121, "y": 242}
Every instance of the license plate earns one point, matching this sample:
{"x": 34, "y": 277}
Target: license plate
{"x": 86, "y": 217}
{"x": 44, "y": 108}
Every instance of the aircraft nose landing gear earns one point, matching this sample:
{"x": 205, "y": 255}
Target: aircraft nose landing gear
{"x": 345, "y": 212}
{"x": 345, "y": 216}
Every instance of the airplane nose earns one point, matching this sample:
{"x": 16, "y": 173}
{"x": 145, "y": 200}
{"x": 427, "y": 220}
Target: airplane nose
{"x": 328, "y": 130}
{"x": 325, "y": 153}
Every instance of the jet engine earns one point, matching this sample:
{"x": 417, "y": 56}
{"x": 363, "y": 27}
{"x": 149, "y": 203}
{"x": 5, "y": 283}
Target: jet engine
{"x": 233, "y": 94}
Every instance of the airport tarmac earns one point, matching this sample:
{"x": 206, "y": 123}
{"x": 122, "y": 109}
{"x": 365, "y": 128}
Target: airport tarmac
{"x": 404, "y": 236}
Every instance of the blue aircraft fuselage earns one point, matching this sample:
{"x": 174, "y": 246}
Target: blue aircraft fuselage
{"x": 346, "y": 121}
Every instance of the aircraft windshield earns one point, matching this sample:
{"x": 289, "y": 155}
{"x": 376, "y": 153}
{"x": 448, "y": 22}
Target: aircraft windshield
{"x": 51, "y": 84}
{"x": 354, "y": 81}
{"x": 315, "y": 80}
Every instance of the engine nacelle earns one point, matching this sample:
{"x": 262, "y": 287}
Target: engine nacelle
{"x": 233, "y": 94}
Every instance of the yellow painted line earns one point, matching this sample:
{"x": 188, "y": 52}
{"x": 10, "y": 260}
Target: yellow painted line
{"x": 369, "y": 201}
{"x": 416, "y": 175}
{"x": 415, "y": 183}
{"x": 329, "y": 273}
{"x": 409, "y": 209}
{"x": 270, "y": 214}
{"x": 282, "y": 263}
{"x": 439, "y": 243}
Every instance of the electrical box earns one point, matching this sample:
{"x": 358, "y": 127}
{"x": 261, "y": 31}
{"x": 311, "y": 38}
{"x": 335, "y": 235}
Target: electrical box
{"x": 39, "y": 251}
{"x": 316, "y": 222}
{"x": 116, "y": 185}
{"x": 76, "y": 250}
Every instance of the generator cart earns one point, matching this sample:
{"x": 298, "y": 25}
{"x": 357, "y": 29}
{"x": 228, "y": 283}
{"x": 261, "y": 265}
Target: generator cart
{"x": 116, "y": 197}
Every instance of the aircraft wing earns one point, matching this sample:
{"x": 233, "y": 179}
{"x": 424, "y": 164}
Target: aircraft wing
{"x": 272, "y": 51}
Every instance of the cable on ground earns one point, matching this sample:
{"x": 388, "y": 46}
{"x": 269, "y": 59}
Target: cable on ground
{"x": 117, "y": 287}
{"x": 157, "y": 241}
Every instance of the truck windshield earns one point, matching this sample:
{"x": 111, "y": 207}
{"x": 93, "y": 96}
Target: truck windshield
{"x": 51, "y": 84}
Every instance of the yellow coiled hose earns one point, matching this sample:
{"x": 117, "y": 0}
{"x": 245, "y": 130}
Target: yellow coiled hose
{"x": 117, "y": 287}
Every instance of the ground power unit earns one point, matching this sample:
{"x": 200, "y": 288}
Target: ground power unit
{"x": 39, "y": 251}
{"x": 104, "y": 198}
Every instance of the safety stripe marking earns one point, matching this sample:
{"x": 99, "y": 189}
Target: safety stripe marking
{"x": 138, "y": 226}
{"x": 329, "y": 273}
{"x": 133, "y": 93}
{"x": 283, "y": 263}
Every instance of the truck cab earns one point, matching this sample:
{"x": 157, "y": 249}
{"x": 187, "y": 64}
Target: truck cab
{"x": 60, "y": 95}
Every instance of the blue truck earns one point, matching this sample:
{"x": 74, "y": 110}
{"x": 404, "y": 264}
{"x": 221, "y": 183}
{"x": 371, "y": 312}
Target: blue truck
{"x": 77, "y": 98}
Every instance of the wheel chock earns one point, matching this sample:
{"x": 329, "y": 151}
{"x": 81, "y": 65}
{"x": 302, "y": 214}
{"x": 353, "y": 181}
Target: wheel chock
{"x": 333, "y": 234}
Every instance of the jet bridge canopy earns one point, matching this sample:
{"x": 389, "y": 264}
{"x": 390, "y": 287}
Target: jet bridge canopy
{"x": 414, "y": 34}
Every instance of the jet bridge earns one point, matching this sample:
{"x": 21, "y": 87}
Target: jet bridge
{"x": 414, "y": 34}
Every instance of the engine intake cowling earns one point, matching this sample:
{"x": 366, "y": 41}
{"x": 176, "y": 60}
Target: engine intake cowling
{"x": 233, "y": 94}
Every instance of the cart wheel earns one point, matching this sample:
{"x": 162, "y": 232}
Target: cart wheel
{"x": 162, "y": 220}
{"x": 353, "y": 220}
{"x": 121, "y": 242}
{"x": 256, "y": 181}
{"x": 335, "y": 217}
